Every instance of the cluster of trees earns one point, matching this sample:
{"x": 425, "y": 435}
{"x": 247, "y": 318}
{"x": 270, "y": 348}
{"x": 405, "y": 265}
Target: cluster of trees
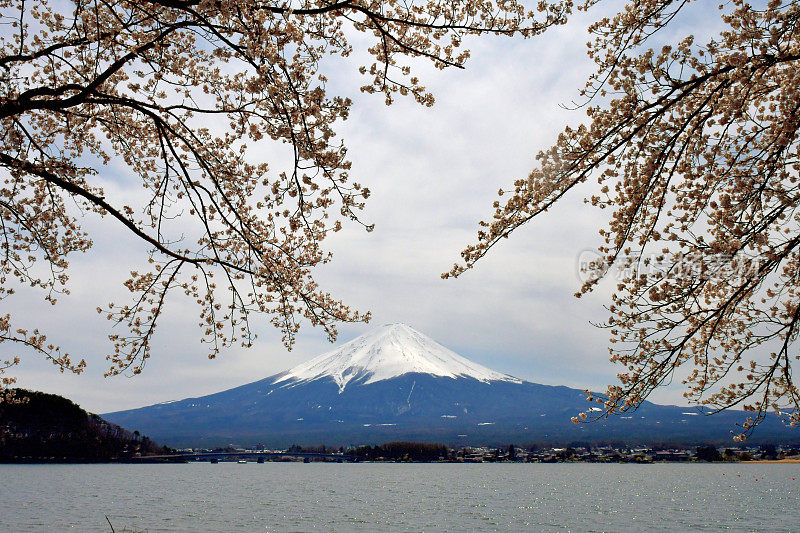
{"x": 402, "y": 451}
{"x": 767, "y": 451}
{"x": 39, "y": 426}
{"x": 693, "y": 145}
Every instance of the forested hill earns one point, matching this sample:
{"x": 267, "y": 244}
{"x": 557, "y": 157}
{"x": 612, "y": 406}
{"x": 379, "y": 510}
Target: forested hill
{"x": 35, "y": 426}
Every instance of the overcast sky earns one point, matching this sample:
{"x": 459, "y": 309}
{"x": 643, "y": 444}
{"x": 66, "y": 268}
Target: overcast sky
{"x": 434, "y": 173}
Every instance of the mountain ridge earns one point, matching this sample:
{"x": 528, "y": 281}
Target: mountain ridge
{"x": 371, "y": 390}
{"x": 42, "y": 427}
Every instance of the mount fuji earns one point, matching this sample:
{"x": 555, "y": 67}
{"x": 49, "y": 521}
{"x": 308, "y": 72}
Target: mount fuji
{"x": 388, "y": 352}
{"x": 394, "y": 383}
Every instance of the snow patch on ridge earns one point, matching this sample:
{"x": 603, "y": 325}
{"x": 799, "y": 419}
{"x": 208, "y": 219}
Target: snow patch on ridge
{"x": 387, "y": 352}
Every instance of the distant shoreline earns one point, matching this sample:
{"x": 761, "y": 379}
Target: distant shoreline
{"x": 163, "y": 462}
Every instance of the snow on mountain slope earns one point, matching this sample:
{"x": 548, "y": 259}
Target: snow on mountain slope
{"x": 387, "y": 352}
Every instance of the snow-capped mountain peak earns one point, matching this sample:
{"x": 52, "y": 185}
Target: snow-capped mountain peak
{"x": 387, "y": 352}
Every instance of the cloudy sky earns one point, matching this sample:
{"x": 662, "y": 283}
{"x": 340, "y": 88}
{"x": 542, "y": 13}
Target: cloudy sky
{"x": 434, "y": 173}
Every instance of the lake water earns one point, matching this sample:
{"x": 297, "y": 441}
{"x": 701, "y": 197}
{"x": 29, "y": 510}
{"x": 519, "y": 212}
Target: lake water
{"x": 207, "y": 497}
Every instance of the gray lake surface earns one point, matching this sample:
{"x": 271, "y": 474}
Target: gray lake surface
{"x": 205, "y": 497}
